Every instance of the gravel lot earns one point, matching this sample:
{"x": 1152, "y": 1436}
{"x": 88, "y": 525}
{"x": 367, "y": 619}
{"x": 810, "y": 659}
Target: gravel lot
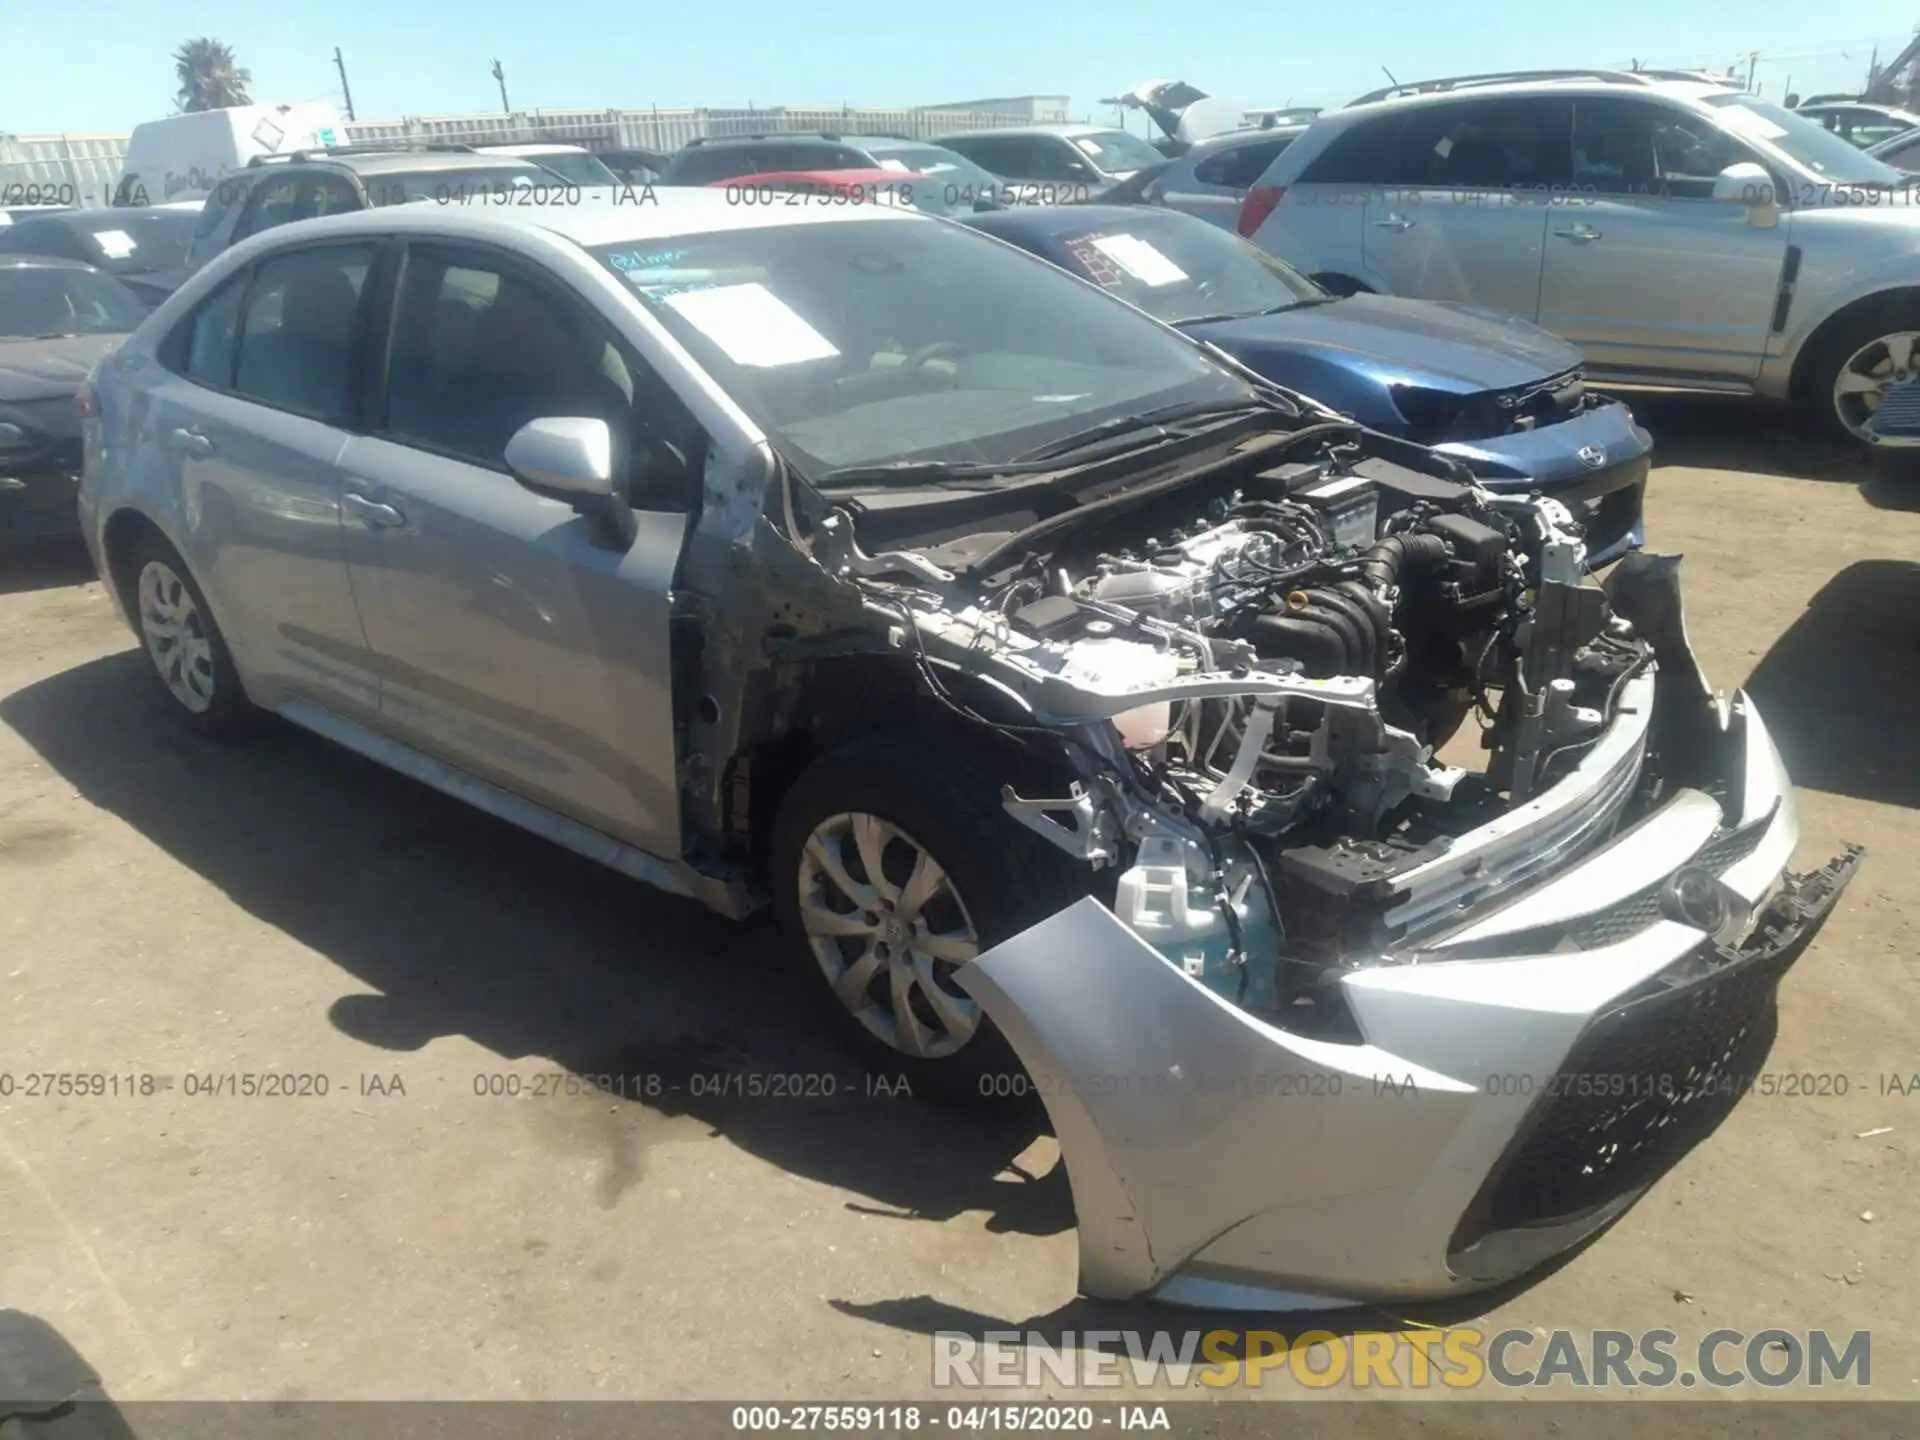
{"x": 169, "y": 908}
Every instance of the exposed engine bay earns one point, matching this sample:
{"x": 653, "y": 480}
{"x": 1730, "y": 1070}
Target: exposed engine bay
{"x": 1252, "y": 680}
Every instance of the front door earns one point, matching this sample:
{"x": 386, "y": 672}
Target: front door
{"x": 1645, "y": 271}
{"x": 513, "y": 642}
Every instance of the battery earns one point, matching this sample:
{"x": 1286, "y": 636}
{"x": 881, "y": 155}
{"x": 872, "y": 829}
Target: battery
{"x": 1349, "y": 508}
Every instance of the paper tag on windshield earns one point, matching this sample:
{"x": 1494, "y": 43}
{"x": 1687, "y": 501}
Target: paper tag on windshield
{"x": 752, "y": 324}
{"x": 899, "y": 165}
{"x": 1750, "y": 122}
{"x": 117, "y": 244}
{"x": 1140, "y": 260}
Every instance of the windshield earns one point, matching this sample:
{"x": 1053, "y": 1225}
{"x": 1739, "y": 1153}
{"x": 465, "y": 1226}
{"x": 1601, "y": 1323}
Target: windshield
{"x": 138, "y": 244}
{"x": 452, "y": 187}
{"x": 865, "y": 342}
{"x": 38, "y": 301}
{"x": 1800, "y": 139}
{"x": 1178, "y": 269}
{"x": 951, "y": 168}
{"x": 1115, "y": 151}
{"x": 576, "y": 168}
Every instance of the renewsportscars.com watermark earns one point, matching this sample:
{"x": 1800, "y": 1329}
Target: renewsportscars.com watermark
{"x": 1459, "y": 1358}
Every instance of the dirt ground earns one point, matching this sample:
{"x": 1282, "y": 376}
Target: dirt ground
{"x": 170, "y": 909}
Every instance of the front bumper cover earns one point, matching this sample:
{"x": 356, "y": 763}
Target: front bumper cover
{"x": 1496, "y": 1111}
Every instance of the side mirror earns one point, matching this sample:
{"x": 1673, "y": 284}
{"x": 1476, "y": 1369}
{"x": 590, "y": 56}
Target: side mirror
{"x": 1750, "y": 184}
{"x": 570, "y": 458}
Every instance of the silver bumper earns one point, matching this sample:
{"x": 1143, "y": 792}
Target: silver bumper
{"x": 1495, "y": 1110}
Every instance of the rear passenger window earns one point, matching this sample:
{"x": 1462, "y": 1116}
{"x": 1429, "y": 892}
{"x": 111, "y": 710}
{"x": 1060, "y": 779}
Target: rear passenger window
{"x": 1239, "y": 167}
{"x": 1520, "y": 144}
{"x": 330, "y": 195}
{"x": 296, "y": 340}
{"x": 212, "y": 334}
{"x": 1363, "y": 155}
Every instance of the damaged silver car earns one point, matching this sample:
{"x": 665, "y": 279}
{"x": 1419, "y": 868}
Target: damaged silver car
{"x": 1076, "y": 699}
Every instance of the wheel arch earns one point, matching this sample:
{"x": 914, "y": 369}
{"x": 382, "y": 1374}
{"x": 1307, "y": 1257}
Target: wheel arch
{"x": 120, "y": 539}
{"x": 1335, "y": 282}
{"x": 1813, "y": 349}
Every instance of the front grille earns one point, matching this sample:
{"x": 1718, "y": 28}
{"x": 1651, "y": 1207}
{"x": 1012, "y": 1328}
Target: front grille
{"x": 1628, "y": 917}
{"x": 1649, "y": 1078}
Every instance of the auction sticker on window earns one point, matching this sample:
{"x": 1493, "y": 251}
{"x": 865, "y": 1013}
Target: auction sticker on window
{"x": 117, "y": 244}
{"x": 1141, "y": 260}
{"x": 752, "y": 324}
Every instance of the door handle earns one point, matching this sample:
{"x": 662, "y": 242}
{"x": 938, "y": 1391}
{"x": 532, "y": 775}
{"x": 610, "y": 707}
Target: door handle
{"x": 1579, "y": 234}
{"x": 1395, "y": 223}
{"x": 371, "y": 512}
{"x": 189, "y": 442}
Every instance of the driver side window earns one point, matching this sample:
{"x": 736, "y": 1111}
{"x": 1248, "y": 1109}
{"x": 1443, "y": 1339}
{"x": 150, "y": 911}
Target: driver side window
{"x": 1633, "y": 147}
{"x": 480, "y": 346}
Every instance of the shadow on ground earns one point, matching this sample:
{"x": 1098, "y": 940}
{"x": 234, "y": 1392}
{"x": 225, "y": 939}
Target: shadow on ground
{"x": 43, "y": 565}
{"x": 1841, "y": 687}
{"x": 466, "y": 926}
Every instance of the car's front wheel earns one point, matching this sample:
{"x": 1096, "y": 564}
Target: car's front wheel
{"x": 893, "y": 865}
{"x": 1865, "y": 367}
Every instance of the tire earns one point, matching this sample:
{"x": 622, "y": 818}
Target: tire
{"x": 1841, "y": 351}
{"x": 189, "y": 655}
{"x": 941, "y": 799}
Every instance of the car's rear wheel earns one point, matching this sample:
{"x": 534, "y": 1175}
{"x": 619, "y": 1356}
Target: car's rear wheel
{"x": 893, "y": 865}
{"x": 189, "y": 654}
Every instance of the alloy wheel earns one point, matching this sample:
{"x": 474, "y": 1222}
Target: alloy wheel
{"x": 888, "y": 928}
{"x": 1871, "y": 373}
{"x": 176, "y": 636}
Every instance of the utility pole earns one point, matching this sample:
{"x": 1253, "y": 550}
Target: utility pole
{"x": 345, "y": 89}
{"x": 501, "y": 75}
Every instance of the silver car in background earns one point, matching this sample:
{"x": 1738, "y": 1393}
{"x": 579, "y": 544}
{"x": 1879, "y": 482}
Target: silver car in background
{"x": 1211, "y": 180}
{"x": 1681, "y": 233}
{"x": 1071, "y": 698}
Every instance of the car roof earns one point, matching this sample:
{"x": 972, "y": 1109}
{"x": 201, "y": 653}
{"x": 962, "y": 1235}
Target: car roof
{"x": 1515, "y": 89}
{"x": 1065, "y": 131}
{"x": 109, "y": 216}
{"x": 532, "y": 150}
{"x": 392, "y": 162}
{"x": 601, "y": 217}
{"x": 873, "y": 176}
{"x": 1231, "y": 139}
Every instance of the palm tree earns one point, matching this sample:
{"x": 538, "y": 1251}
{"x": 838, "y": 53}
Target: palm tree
{"x": 209, "y": 78}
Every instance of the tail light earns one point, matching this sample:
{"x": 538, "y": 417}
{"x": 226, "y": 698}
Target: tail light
{"x": 1257, "y": 206}
{"x": 87, "y": 401}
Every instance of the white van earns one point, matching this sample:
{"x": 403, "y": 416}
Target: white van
{"x": 184, "y": 156}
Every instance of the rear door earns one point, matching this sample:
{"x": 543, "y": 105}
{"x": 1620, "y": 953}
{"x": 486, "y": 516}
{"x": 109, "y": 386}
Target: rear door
{"x": 1462, "y": 215}
{"x": 250, "y": 408}
{"x": 1214, "y": 187}
{"x": 513, "y": 643}
{"x": 1645, "y": 271}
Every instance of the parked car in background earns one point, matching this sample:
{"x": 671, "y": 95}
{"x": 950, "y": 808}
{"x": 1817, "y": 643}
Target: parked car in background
{"x": 1901, "y": 151}
{"x": 1211, "y": 179}
{"x": 1505, "y": 397}
{"x": 798, "y": 189}
{"x": 10, "y": 213}
{"x": 182, "y": 157}
{"x": 635, "y": 167}
{"x": 57, "y": 317}
{"x": 1859, "y": 122}
{"x": 144, "y": 249}
{"x": 726, "y": 157}
{"x": 1679, "y": 233}
{"x": 1051, "y": 164}
{"x": 574, "y": 164}
{"x": 1072, "y": 698}
{"x": 312, "y": 183}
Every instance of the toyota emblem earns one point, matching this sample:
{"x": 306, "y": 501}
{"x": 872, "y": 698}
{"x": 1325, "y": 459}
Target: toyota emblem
{"x": 1592, "y": 456}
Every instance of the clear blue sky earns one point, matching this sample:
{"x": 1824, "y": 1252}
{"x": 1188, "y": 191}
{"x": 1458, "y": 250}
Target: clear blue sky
{"x": 105, "y": 66}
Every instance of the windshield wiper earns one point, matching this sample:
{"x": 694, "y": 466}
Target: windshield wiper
{"x": 944, "y": 474}
{"x": 1160, "y": 422}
